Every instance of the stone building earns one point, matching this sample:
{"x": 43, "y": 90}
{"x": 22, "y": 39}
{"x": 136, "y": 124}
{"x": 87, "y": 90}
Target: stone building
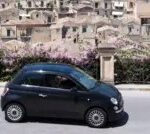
{"x": 32, "y": 23}
{"x": 7, "y": 10}
{"x": 143, "y": 13}
{"x": 74, "y": 29}
{"x": 36, "y": 9}
{"x": 26, "y": 31}
{"x": 29, "y": 5}
{"x": 71, "y": 19}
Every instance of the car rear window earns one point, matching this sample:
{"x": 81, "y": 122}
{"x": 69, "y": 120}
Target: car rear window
{"x": 28, "y": 78}
{"x": 35, "y": 79}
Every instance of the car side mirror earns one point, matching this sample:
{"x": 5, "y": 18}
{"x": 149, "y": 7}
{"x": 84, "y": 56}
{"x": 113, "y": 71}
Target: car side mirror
{"x": 74, "y": 89}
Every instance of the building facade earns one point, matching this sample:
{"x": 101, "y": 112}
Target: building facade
{"x": 76, "y": 20}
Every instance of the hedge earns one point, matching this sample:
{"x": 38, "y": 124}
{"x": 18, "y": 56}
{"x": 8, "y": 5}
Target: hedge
{"x": 132, "y": 71}
{"x": 8, "y": 71}
{"x": 126, "y": 70}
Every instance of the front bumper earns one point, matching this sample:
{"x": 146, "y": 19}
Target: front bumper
{"x": 2, "y": 103}
{"x": 116, "y": 115}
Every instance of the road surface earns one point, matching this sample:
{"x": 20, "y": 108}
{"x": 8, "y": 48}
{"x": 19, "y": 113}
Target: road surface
{"x": 136, "y": 121}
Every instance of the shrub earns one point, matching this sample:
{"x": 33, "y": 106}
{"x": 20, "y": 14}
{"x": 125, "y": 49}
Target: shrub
{"x": 126, "y": 70}
{"x": 132, "y": 71}
{"x": 89, "y": 64}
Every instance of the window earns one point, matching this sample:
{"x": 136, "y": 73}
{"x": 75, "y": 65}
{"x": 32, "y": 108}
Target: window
{"x": 61, "y": 3}
{"x": 42, "y": 3}
{"x": 19, "y": 6}
{"x": 3, "y": 5}
{"x": 28, "y": 31}
{"x": 145, "y": 21}
{"x": 64, "y": 31}
{"x": 29, "y": 4}
{"x": 57, "y": 81}
{"x": 8, "y": 33}
{"x": 119, "y": 8}
{"x": 48, "y": 5}
{"x": 37, "y": 15}
{"x": 148, "y": 30}
{"x": 83, "y": 78}
{"x": 131, "y": 4}
{"x": 105, "y": 5}
{"x": 96, "y": 5}
{"x": 130, "y": 27}
{"x": 49, "y": 19}
{"x": 84, "y": 29}
{"x": 35, "y": 79}
{"x": 74, "y": 29}
{"x": 115, "y": 16}
{"x": 20, "y": 17}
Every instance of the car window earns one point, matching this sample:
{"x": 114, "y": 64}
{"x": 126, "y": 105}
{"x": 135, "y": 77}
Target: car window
{"x": 83, "y": 78}
{"x": 35, "y": 79}
{"x": 58, "y": 81}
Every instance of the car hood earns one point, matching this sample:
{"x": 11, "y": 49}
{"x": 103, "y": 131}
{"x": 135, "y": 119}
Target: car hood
{"x": 107, "y": 90}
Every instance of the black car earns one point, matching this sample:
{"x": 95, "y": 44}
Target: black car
{"x": 62, "y": 91}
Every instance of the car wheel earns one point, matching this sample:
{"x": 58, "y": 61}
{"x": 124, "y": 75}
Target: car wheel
{"x": 14, "y": 112}
{"x": 96, "y": 117}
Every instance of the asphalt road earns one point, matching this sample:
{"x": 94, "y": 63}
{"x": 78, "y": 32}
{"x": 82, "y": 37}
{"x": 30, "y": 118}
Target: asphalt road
{"x": 136, "y": 121}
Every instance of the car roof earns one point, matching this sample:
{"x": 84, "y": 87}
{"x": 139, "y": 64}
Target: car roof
{"x": 51, "y": 67}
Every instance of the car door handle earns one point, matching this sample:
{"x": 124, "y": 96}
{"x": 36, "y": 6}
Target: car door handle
{"x": 43, "y": 95}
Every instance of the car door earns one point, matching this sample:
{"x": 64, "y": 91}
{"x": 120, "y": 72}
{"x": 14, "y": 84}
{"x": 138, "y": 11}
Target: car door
{"x": 31, "y": 88}
{"x": 62, "y": 98}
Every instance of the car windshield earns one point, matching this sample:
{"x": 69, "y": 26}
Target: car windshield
{"x": 86, "y": 80}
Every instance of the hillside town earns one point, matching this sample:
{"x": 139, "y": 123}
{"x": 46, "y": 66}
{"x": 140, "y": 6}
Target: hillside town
{"x": 125, "y": 23}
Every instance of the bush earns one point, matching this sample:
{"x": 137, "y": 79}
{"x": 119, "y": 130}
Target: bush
{"x": 9, "y": 70}
{"x": 126, "y": 70}
{"x": 1, "y": 63}
{"x": 132, "y": 71}
{"x": 82, "y": 56}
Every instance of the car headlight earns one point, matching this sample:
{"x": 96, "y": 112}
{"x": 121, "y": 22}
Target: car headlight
{"x": 114, "y": 101}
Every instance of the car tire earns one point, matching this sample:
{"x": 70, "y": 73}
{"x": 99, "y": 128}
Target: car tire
{"x": 14, "y": 112}
{"x": 96, "y": 117}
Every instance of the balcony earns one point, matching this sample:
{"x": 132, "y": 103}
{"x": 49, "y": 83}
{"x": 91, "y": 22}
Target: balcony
{"x": 35, "y": 7}
{"x": 118, "y": 7}
{"x": 117, "y": 13}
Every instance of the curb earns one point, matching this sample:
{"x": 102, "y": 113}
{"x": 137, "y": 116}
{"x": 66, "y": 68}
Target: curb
{"x": 134, "y": 89}
{"x": 138, "y": 87}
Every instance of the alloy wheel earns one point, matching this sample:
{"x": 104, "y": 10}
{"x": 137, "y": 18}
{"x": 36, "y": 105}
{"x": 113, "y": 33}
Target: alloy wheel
{"x": 14, "y": 113}
{"x": 96, "y": 118}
